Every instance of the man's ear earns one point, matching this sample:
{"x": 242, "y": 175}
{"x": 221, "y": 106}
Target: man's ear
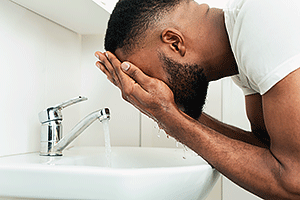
{"x": 175, "y": 40}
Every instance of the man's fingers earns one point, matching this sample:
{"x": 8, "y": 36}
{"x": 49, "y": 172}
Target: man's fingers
{"x": 106, "y": 66}
{"x": 129, "y": 78}
{"x": 105, "y": 71}
{"x": 131, "y": 70}
{"x": 115, "y": 62}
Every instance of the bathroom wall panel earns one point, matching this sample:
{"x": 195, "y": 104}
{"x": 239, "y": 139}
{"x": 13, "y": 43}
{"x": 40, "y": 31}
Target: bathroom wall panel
{"x": 32, "y": 61}
{"x": 63, "y": 72}
{"x": 234, "y": 113}
{"x": 213, "y": 107}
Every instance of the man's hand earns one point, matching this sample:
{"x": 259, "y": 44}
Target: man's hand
{"x": 150, "y": 95}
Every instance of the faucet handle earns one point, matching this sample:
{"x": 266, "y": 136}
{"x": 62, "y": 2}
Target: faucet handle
{"x": 54, "y": 113}
{"x": 69, "y": 102}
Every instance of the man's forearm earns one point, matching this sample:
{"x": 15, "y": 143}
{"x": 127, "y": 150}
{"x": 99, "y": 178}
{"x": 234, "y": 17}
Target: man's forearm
{"x": 231, "y": 131}
{"x": 252, "y": 167}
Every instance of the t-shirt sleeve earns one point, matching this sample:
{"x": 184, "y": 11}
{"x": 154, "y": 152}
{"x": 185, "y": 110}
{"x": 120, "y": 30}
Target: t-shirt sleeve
{"x": 265, "y": 39}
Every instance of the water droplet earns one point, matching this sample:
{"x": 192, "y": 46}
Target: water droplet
{"x": 185, "y": 148}
{"x": 184, "y": 151}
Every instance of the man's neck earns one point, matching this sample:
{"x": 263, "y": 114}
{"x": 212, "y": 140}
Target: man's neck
{"x": 223, "y": 64}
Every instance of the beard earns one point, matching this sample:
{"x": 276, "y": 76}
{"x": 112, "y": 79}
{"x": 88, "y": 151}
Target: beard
{"x": 188, "y": 84}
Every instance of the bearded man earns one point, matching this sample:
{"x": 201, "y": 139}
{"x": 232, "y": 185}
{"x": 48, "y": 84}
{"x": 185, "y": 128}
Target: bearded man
{"x": 163, "y": 53}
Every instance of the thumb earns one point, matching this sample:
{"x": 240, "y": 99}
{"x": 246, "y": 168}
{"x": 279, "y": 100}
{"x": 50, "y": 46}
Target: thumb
{"x": 125, "y": 66}
{"x": 135, "y": 73}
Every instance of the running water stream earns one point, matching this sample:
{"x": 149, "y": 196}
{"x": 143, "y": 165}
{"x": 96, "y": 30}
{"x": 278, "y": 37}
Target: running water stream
{"x": 107, "y": 142}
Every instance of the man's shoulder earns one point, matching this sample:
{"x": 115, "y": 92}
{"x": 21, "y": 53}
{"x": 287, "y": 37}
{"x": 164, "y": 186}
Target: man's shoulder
{"x": 265, "y": 51}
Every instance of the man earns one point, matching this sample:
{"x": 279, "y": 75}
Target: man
{"x": 171, "y": 49}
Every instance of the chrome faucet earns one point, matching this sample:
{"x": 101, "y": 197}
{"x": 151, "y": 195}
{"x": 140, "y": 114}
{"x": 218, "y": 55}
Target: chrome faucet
{"x": 51, "y": 131}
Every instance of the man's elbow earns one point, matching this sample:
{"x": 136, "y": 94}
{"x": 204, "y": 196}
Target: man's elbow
{"x": 290, "y": 185}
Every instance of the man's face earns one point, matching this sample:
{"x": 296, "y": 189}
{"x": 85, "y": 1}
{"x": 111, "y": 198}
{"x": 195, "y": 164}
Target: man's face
{"x": 187, "y": 81}
{"x": 189, "y": 85}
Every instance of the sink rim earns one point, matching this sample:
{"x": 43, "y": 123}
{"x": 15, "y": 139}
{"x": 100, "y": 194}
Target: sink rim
{"x": 96, "y": 169}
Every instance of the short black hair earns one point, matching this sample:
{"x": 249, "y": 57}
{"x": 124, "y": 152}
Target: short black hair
{"x": 131, "y": 18}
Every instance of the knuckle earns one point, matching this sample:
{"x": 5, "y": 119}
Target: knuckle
{"x": 113, "y": 80}
{"x": 124, "y": 93}
{"x": 110, "y": 79}
{"x": 152, "y": 84}
{"x": 134, "y": 73}
{"x": 127, "y": 92}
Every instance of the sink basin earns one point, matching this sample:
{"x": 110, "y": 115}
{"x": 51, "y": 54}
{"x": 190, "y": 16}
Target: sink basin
{"x": 82, "y": 173}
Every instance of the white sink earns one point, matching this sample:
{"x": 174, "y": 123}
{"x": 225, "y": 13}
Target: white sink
{"x": 82, "y": 173}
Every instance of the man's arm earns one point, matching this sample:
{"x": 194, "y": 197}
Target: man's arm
{"x": 231, "y": 131}
{"x": 282, "y": 118}
{"x": 270, "y": 173}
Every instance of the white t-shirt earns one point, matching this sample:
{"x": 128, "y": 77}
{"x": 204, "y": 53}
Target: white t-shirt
{"x": 265, "y": 39}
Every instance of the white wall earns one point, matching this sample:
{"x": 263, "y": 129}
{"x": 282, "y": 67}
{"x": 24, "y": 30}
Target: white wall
{"x": 234, "y": 113}
{"x": 40, "y": 66}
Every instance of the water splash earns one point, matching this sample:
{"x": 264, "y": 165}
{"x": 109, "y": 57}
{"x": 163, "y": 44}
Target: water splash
{"x": 107, "y": 142}
{"x": 158, "y": 130}
{"x": 184, "y": 151}
{"x": 184, "y": 148}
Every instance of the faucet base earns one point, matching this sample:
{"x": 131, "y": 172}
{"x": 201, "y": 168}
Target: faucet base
{"x": 50, "y": 154}
{"x": 47, "y": 149}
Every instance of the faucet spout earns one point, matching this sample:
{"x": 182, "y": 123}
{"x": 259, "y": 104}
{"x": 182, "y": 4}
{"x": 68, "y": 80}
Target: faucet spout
{"x": 55, "y": 146}
{"x": 51, "y": 130}
{"x": 103, "y": 114}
